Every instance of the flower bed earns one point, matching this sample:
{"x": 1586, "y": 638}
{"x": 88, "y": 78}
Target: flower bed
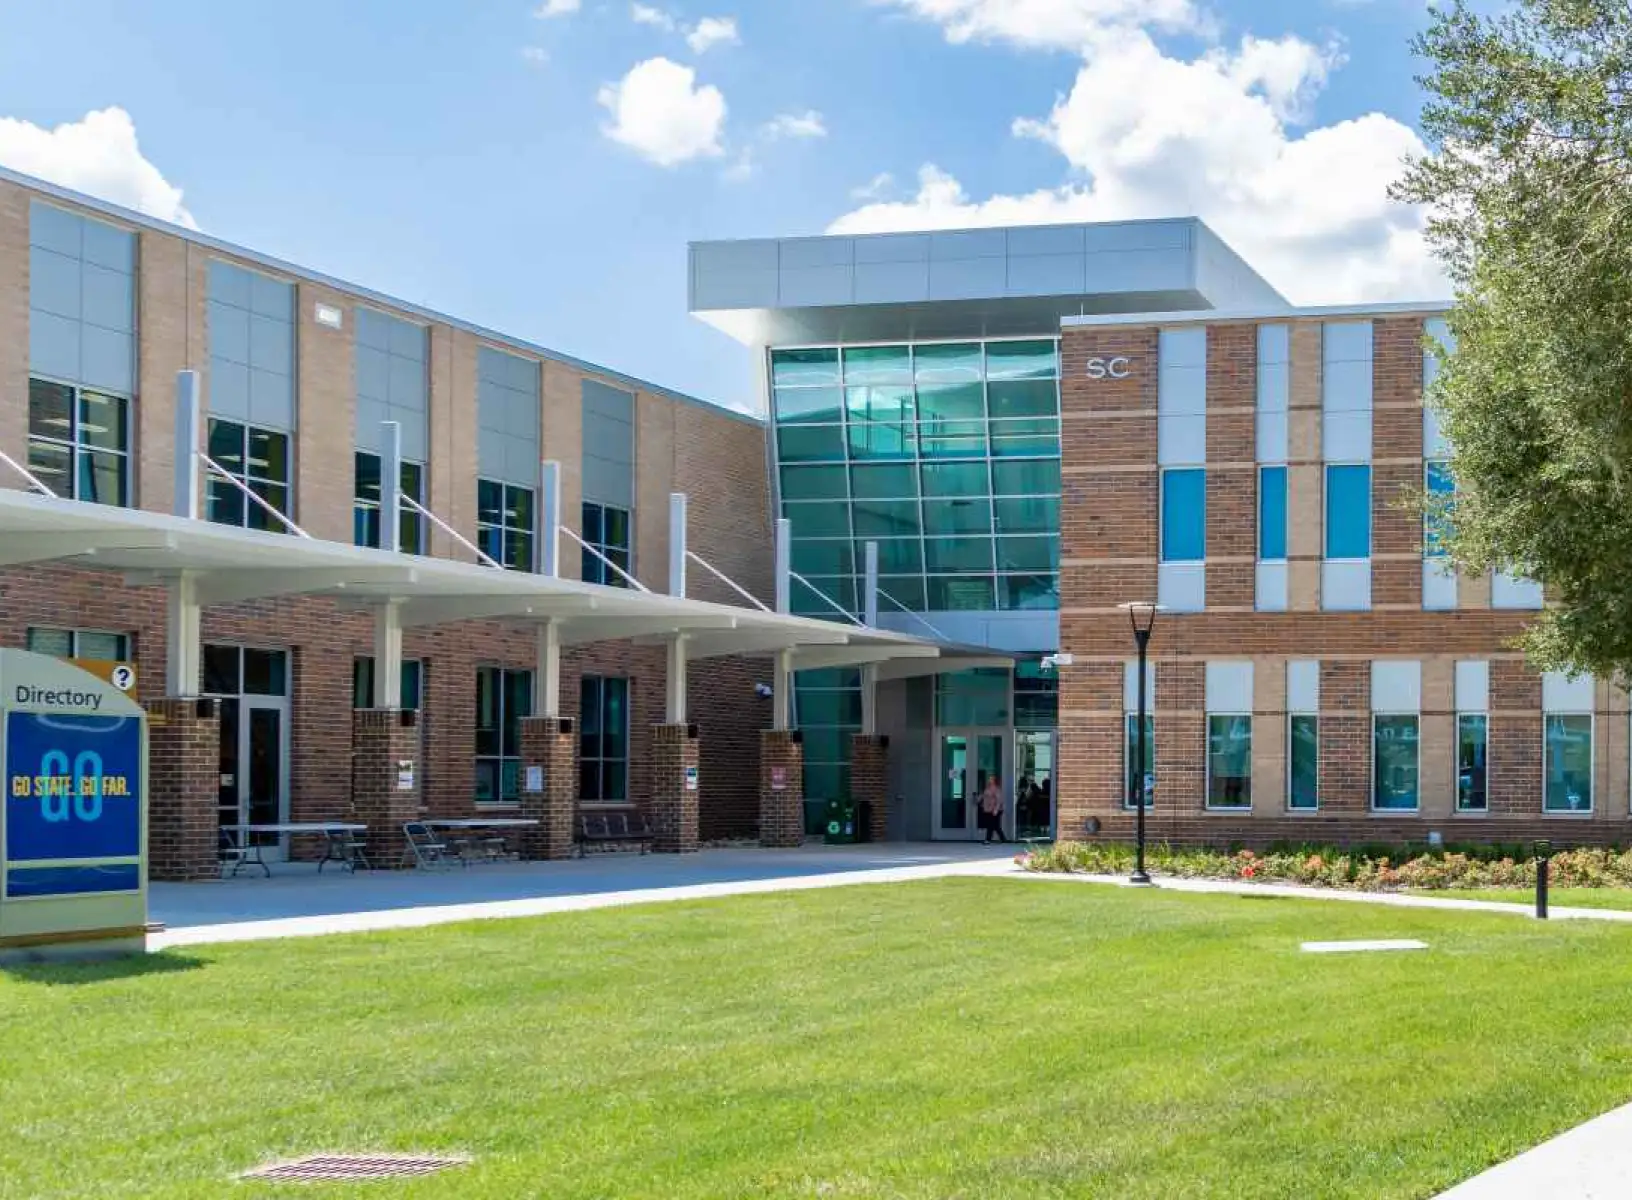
{"x": 1375, "y": 869}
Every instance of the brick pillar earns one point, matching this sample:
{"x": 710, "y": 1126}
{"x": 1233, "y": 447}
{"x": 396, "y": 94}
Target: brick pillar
{"x": 549, "y": 746}
{"x": 870, "y": 780}
{"x": 381, "y": 740}
{"x": 781, "y": 811}
{"x": 674, "y": 804}
{"x": 183, "y": 789}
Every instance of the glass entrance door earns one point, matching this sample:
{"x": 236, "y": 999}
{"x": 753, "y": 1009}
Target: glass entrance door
{"x": 254, "y": 779}
{"x": 968, "y": 758}
{"x": 1033, "y": 785}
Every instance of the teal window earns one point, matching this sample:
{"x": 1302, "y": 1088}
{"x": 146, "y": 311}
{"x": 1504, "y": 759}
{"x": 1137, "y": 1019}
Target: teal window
{"x": 965, "y": 514}
{"x": 606, "y": 529}
{"x": 958, "y": 554}
{"x": 1303, "y": 763}
{"x": 79, "y": 442}
{"x": 816, "y": 596}
{"x": 603, "y": 739}
{"x": 884, "y": 482}
{"x": 878, "y": 364}
{"x": 952, "y": 420}
{"x": 256, "y": 458}
{"x": 365, "y": 504}
{"x": 1040, "y": 478}
{"x": 887, "y": 518}
{"x": 505, "y": 524}
{"x": 1028, "y": 514}
{"x": 978, "y": 697}
{"x": 503, "y": 698}
{"x": 1026, "y": 592}
{"x": 410, "y": 693}
{"x": 809, "y": 443}
{"x": 818, "y": 520}
{"x": 1440, "y": 487}
{"x": 1028, "y": 554}
{"x": 1272, "y": 513}
{"x": 813, "y": 483}
{"x": 1472, "y": 735}
{"x": 805, "y": 368}
{"x": 822, "y": 558}
{"x": 78, "y": 643}
{"x": 1130, "y": 756}
{"x": 1022, "y": 360}
{"x": 1348, "y": 512}
{"x": 961, "y": 594}
{"x": 1394, "y": 762}
{"x": 956, "y": 480}
{"x": 902, "y": 593}
{"x": 1036, "y": 696}
{"x": 1229, "y": 761}
{"x": 938, "y": 363}
{"x": 1568, "y": 772}
{"x": 828, "y": 709}
{"x": 1184, "y": 515}
{"x": 896, "y": 556}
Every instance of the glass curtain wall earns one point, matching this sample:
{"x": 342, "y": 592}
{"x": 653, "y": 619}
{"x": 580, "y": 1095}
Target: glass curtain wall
{"x": 948, "y": 455}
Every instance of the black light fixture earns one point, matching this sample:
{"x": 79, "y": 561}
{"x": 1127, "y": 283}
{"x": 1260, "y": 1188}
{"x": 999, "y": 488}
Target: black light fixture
{"x": 1142, "y": 617}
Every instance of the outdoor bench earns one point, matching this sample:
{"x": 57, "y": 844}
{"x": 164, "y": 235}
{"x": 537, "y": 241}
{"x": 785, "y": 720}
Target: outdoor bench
{"x": 611, "y": 829}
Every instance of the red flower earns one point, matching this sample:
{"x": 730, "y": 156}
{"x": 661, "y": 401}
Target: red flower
{"x": 1248, "y": 871}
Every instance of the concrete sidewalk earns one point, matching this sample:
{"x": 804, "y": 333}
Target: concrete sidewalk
{"x": 298, "y": 902}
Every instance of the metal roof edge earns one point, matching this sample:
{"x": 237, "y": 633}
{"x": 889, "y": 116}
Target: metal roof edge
{"x": 1290, "y": 312}
{"x": 197, "y": 237}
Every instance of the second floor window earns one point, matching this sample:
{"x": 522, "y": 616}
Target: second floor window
{"x": 79, "y": 442}
{"x": 365, "y": 505}
{"x": 505, "y": 524}
{"x": 259, "y": 458}
{"x": 607, "y": 530}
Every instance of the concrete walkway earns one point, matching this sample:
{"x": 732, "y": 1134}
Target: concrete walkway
{"x": 298, "y": 902}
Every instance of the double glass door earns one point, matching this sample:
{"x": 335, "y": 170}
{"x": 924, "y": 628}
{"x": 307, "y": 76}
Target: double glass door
{"x": 968, "y": 758}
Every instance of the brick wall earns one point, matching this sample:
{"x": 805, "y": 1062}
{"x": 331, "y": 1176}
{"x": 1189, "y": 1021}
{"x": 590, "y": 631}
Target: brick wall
{"x": 782, "y": 810}
{"x": 1109, "y": 535}
{"x": 382, "y": 740}
{"x": 183, "y": 762}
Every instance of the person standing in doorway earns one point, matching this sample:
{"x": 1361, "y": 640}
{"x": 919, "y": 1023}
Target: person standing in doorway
{"x": 991, "y": 809}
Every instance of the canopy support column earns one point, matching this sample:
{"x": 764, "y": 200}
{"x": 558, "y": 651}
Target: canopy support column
{"x": 547, "y": 676}
{"x": 549, "y": 519}
{"x": 387, "y": 649}
{"x": 677, "y": 544}
{"x": 183, "y": 649}
{"x": 782, "y": 691}
{"x": 187, "y": 423}
{"x": 674, "y": 700}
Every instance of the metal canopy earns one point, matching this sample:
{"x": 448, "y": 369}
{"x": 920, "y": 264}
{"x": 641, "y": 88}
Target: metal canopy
{"x": 228, "y": 565}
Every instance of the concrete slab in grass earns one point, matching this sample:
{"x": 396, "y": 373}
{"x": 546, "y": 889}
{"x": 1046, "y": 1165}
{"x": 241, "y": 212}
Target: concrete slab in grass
{"x": 1363, "y": 946}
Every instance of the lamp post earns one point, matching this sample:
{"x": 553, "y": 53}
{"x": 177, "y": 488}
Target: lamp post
{"x": 1142, "y": 616}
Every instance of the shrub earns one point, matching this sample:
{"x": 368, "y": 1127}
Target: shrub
{"x": 1374, "y": 867}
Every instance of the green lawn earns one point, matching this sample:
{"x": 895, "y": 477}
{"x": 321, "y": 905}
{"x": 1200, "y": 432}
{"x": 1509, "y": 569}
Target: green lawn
{"x": 1586, "y": 897}
{"x": 958, "y": 1038}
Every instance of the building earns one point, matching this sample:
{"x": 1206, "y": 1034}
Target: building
{"x": 221, "y": 531}
{"x": 1035, "y": 425}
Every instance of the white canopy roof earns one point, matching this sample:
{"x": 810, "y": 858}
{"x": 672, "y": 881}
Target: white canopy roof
{"x": 231, "y": 565}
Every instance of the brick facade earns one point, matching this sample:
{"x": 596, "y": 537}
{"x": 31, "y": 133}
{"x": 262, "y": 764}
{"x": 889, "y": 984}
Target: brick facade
{"x": 1110, "y": 534}
{"x": 678, "y": 445}
{"x": 550, "y": 745}
{"x": 385, "y": 793}
{"x": 782, "y": 809}
{"x": 676, "y": 788}
{"x": 870, "y": 781}
{"x": 183, "y": 762}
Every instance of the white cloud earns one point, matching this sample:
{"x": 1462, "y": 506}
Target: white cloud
{"x": 1051, "y": 24}
{"x": 808, "y": 124}
{"x": 1150, "y": 135}
{"x": 743, "y": 169}
{"x": 659, "y": 112}
{"x": 645, "y": 14}
{"x": 557, "y": 8}
{"x": 97, "y": 155}
{"x": 711, "y": 32}
{"x": 536, "y": 55}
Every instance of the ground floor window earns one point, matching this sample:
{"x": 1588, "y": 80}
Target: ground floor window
{"x": 1472, "y": 735}
{"x": 362, "y": 684}
{"x": 503, "y": 698}
{"x": 1229, "y": 761}
{"x": 1394, "y": 762}
{"x": 603, "y": 740}
{"x": 80, "y": 643}
{"x": 1130, "y": 758}
{"x": 1568, "y": 767}
{"x": 1303, "y": 762}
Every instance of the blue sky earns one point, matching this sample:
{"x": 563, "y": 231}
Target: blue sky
{"x": 538, "y": 165}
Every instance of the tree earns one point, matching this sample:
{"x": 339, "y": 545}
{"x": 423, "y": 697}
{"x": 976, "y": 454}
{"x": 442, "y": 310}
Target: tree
{"x": 1528, "y": 184}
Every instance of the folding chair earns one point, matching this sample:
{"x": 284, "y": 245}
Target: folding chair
{"x": 424, "y": 848}
{"x": 229, "y": 852}
{"x": 347, "y": 849}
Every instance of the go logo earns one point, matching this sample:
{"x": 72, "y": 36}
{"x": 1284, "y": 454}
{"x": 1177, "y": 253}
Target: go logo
{"x": 80, "y": 797}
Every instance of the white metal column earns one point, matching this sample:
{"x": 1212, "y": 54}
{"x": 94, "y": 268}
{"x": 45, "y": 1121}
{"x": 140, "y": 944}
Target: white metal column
{"x": 187, "y": 423}
{"x": 388, "y": 653}
{"x": 390, "y": 488}
{"x": 549, "y": 518}
{"x": 184, "y": 647}
{"x": 547, "y": 675}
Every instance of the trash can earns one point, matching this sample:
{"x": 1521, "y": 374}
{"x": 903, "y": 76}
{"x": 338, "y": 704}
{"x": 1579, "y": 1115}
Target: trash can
{"x": 841, "y": 823}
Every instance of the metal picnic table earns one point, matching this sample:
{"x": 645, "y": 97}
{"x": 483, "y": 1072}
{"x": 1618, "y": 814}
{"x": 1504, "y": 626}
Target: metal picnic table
{"x": 251, "y": 853}
{"x": 453, "y": 824}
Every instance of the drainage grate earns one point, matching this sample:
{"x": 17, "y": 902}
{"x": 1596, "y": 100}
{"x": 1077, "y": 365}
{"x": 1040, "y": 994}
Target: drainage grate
{"x": 316, "y": 1168}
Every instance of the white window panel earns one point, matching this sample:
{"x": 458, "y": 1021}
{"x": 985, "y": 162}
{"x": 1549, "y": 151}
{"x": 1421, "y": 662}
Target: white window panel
{"x": 1303, "y": 685}
{"x": 1513, "y": 591}
{"x": 1130, "y": 686}
{"x": 1345, "y": 585}
{"x": 1272, "y": 437}
{"x": 1271, "y": 587}
{"x": 1229, "y": 687}
{"x": 1182, "y": 586}
{"x": 1438, "y": 585}
{"x": 1396, "y": 687}
{"x": 1561, "y": 694}
{"x": 1345, "y": 436}
{"x": 1472, "y": 687}
{"x": 1181, "y": 440}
